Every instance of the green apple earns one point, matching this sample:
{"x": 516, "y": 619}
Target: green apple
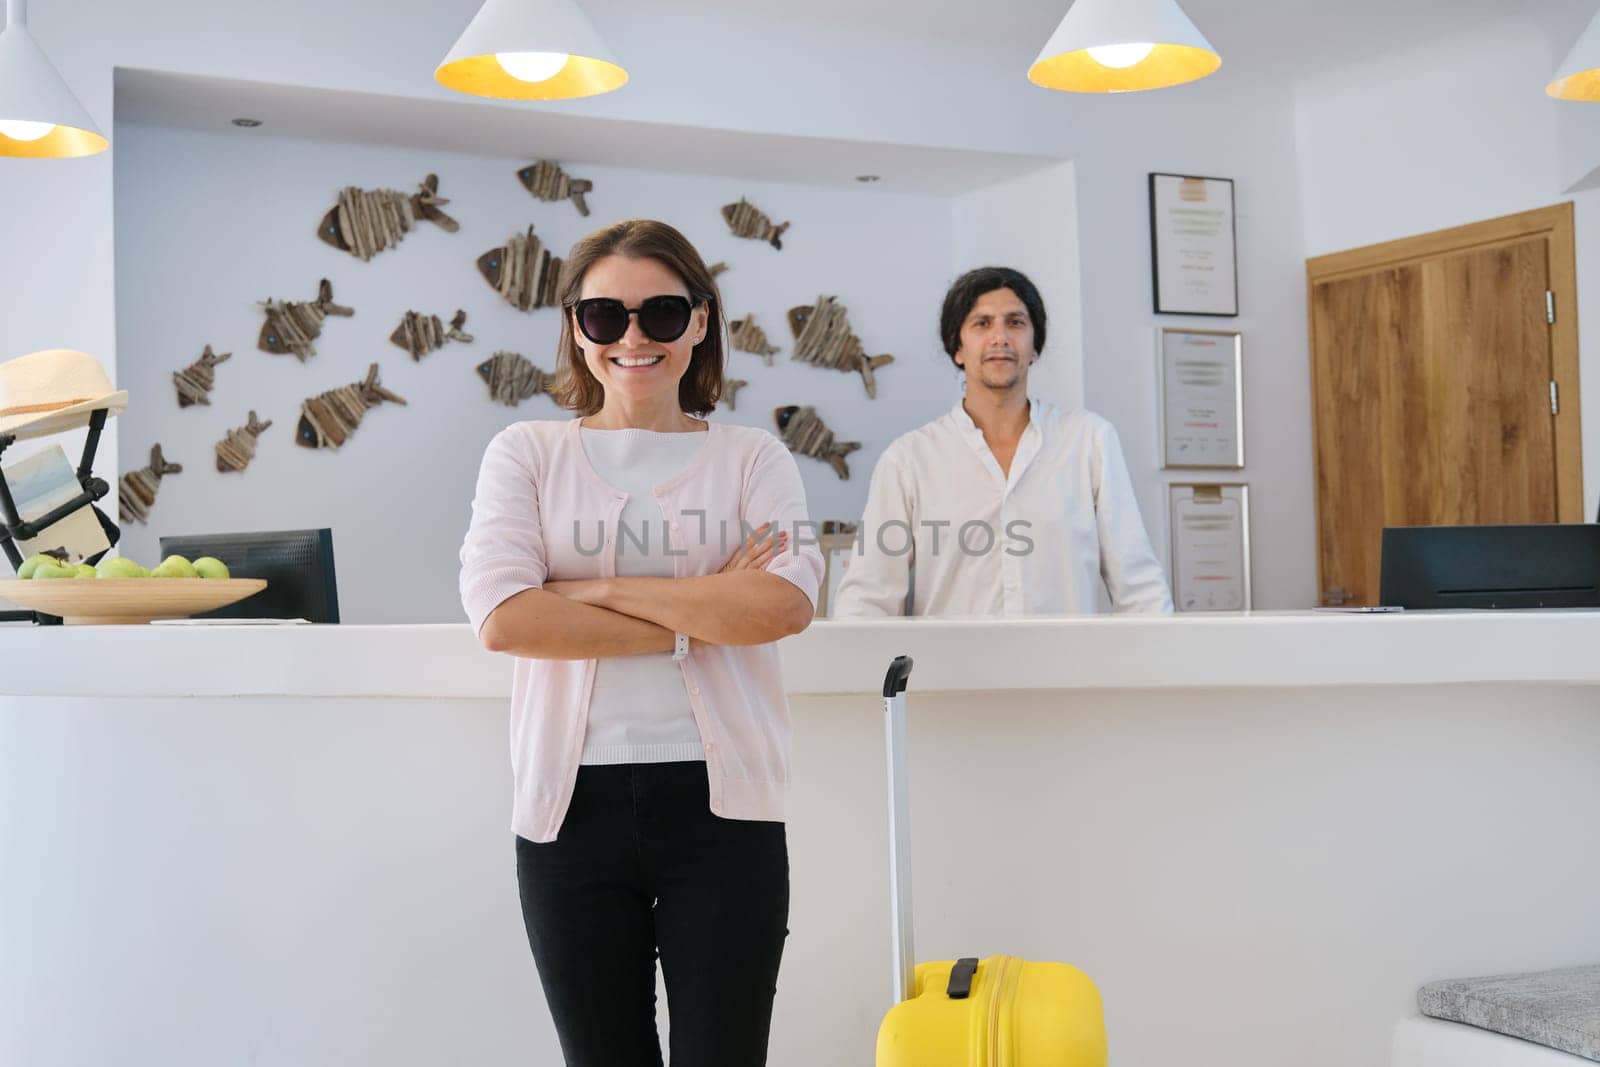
{"x": 174, "y": 567}
{"x": 211, "y": 567}
{"x": 52, "y": 570}
{"x": 120, "y": 567}
{"x": 86, "y": 570}
{"x": 32, "y": 563}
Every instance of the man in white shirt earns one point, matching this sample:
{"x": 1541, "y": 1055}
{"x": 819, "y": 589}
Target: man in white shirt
{"x": 1006, "y": 505}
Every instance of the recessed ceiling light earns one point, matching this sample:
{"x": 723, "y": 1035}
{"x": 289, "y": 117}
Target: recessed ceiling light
{"x": 866, "y": 177}
{"x": 247, "y": 123}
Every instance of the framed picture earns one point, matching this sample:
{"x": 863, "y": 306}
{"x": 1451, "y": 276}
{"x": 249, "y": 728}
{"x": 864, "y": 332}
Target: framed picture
{"x": 1210, "y": 564}
{"x": 1194, "y": 267}
{"x": 1202, "y": 399}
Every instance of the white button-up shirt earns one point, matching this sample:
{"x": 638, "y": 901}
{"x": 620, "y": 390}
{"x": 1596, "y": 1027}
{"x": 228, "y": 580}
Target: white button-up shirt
{"x": 1037, "y": 541}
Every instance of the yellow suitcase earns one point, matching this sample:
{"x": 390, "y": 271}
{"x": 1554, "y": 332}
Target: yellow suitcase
{"x": 1001, "y": 1011}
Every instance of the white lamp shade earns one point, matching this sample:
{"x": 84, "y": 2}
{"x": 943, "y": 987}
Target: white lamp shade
{"x": 32, "y": 91}
{"x": 1578, "y": 76}
{"x": 542, "y": 26}
{"x": 1181, "y": 53}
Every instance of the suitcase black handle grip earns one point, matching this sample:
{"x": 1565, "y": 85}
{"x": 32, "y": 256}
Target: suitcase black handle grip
{"x": 894, "y": 682}
{"x": 960, "y": 986}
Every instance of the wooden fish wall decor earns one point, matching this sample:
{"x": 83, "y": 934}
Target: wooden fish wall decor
{"x": 822, "y": 338}
{"x": 420, "y": 334}
{"x": 748, "y": 337}
{"x": 512, "y": 378}
{"x": 523, "y": 271}
{"x": 803, "y": 430}
{"x": 730, "y": 391}
{"x": 328, "y": 419}
{"x": 235, "y": 451}
{"x": 547, "y": 181}
{"x": 195, "y": 381}
{"x": 136, "y": 491}
{"x": 366, "y": 221}
{"x": 717, "y": 268}
{"x": 747, "y": 220}
{"x": 292, "y": 326}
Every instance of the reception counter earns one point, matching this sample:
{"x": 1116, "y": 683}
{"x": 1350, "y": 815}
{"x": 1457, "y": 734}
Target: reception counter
{"x": 1258, "y": 833}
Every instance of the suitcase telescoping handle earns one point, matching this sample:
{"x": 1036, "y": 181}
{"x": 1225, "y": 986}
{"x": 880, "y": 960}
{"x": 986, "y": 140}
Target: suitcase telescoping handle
{"x": 894, "y": 730}
{"x": 904, "y": 963}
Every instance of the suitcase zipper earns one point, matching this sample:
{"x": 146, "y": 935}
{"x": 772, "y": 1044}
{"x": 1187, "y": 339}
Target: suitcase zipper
{"x": 997, "y": 993}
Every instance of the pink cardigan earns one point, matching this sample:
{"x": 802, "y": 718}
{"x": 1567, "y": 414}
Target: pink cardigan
{"x": 538, "y": 513}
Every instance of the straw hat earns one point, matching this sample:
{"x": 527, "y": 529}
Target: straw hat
{"x": 54, "y": 391}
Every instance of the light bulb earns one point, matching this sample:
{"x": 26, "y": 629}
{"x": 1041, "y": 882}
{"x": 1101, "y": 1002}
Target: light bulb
{"x": 1120, "y": 56}
{"x": 532, "y": 66}
{"x": 25, "y": 130}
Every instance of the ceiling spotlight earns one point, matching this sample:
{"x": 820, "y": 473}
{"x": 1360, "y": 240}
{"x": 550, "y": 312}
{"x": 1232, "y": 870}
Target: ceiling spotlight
{"x": 248, "y": 124}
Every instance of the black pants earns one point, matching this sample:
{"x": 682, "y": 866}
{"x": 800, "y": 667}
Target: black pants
{"x": 642, "y": 865}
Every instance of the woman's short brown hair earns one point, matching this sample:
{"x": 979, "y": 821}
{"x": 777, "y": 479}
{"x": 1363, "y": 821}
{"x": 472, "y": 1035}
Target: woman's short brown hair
{"x": 576, "y": 388}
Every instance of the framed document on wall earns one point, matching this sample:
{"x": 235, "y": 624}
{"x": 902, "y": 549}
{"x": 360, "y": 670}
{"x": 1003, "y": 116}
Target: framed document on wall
{"x": 1194, "y": 267}
{"x": 1202, "y": 399}
{"x": 1210, "y": 565}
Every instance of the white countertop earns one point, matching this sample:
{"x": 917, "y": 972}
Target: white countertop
{"x": 836, "y": 656}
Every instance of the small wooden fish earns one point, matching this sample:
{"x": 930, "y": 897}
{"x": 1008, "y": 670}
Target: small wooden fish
{"x": 822, "y": 337}
{"x": 748, "y": 337}
{"x": 235, "y": 451}
{"x": 137, "y": 489}
{"x": 523, "y": 271}
{"x": 366, "y": 221}
{"x": 547, "y": 181}
{"x": 327, "y": 419}
{"x": 730, "y": 390}
{"x": 512, "y": 378}
{"x": 420, "y": 334}
{"x": 717, "y": 268}
{"x": 747, "y": 220}
{"x": 803, "y": 430}
{"x": 292, "y": 326}
{"x": 195, "y": 381}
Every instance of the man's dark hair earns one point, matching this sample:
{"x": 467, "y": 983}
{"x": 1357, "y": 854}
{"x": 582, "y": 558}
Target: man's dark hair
{"x": 973, "y": 284}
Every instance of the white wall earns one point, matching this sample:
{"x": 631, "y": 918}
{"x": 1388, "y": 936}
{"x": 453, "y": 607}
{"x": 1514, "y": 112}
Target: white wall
{"x": 1249, "y": 142}
{"x": 1421, "y": 141}
{"x": 210, "y": 223}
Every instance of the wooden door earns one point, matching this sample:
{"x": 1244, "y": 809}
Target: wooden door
{"x": 1439, "y": 366}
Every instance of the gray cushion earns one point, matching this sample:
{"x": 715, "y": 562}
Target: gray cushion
{"x": 1560, "y": 1009}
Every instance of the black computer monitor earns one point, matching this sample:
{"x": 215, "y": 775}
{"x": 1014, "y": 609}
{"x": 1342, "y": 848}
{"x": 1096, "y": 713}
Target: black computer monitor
{"x": 297, "y": 564}
{"x": 1552, "y": 565}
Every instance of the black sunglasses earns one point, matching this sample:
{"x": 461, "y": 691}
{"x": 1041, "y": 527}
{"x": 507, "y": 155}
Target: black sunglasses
{"x": 604, "y": 319}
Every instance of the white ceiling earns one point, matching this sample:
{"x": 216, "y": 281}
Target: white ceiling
{"x": 474, "y": 128}
{"x": 1271, "y": 41}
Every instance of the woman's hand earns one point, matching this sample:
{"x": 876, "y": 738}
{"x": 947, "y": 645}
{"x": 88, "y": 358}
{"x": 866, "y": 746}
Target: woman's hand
{"x": 757, "y": 550}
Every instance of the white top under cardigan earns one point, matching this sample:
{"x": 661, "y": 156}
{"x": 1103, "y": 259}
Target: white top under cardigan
{"x": 1039, "y": 540}
{"x": 639, "y": 707}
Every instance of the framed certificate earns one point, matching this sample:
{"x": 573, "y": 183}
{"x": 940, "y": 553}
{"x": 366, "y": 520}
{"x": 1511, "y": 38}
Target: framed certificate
{"x": 1192, "y": 245}
{"x": 1210, "y": 564}
{"x": 1202, "y": 399}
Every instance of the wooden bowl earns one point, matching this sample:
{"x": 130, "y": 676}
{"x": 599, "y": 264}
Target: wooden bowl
{"x": 125, "y": 601}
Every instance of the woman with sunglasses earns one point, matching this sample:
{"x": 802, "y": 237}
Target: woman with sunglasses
{"x": 612, "y": 554}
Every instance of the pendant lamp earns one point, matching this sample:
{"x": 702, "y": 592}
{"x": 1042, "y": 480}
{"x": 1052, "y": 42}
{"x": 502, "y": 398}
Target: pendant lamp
{"x": 1119, "y": 46}
{"x": 530, "y": 50}
{"x": 1578, "y": 76}
{"x": 39, "y": 116}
